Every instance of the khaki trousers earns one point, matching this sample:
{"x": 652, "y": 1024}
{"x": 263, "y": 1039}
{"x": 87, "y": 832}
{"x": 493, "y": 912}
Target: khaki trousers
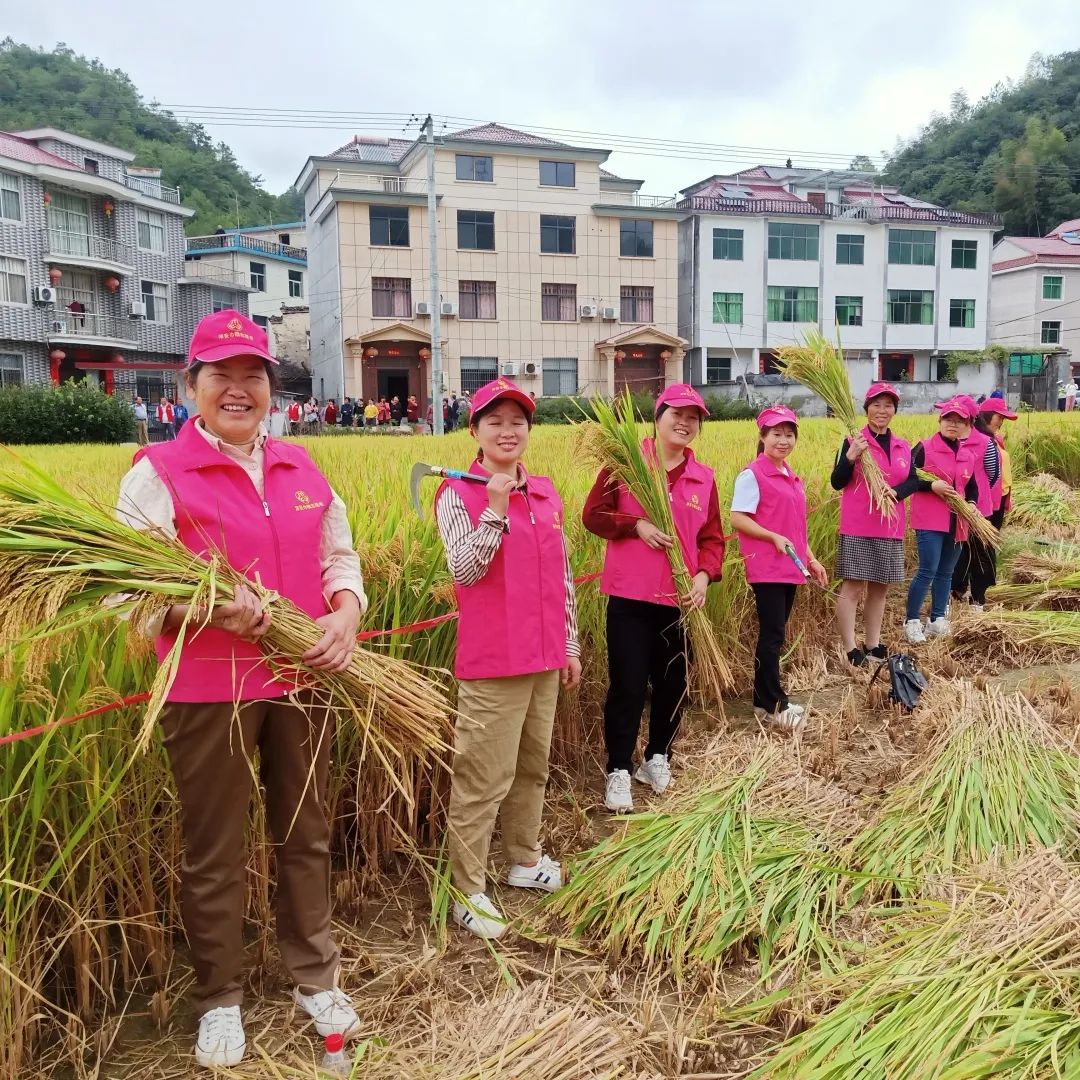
{"x": 141, "y": 435}
{"x": 211, "y": 755}
{"x": 500, "y": 769}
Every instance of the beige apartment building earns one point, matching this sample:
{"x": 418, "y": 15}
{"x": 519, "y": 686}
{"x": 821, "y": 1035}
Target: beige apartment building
{"x": 552, "y": 271}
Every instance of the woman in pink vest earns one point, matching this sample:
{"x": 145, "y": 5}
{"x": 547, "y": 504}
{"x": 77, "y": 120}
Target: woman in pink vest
{"x": 645, "y": 639}
{"x": 871, "y": 555}
{"x": 222, "y": 486}
{"x": 938, "y": 532}
{"x": 517, "y": 641}
{"x": 768, "y": 511}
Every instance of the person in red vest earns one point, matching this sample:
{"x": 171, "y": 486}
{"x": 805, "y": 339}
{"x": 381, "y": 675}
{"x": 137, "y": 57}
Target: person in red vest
{"x": 294, "y": 414}
{"x": 165, "y": 418}
{"x": 224, "y": 487}
{"x": 517, "y": 641}
{"x": 331, "y": 414}
{"x": 412, "y": 410}
{"x": 768, "y": 511}
{"x": 645, "y": 639}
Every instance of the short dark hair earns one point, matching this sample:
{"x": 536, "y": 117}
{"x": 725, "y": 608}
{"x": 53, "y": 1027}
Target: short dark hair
{"x": 192, "y": 373}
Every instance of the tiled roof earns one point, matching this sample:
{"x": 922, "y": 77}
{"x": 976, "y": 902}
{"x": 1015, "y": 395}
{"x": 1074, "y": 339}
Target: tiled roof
{"x": 605, "y": 175}
{"x": 11, "y": 146}
{"x": 373, "y": 149}
{"x": 1047, "y": 246}
{"x": 498, "y": 133}
{"x": 1065, "y": 227}
{"x": 731, "y": 187}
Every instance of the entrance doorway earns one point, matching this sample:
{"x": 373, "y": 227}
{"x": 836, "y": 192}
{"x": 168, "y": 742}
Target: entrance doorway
{"x": 394, "y": 382}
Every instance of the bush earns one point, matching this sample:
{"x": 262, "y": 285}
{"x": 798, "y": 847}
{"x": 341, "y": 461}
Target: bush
{"x": 72, "y": 412}
{"x": 564, "y": 410}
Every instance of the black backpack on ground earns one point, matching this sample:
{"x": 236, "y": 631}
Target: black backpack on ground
{"x": 906, "y": 681}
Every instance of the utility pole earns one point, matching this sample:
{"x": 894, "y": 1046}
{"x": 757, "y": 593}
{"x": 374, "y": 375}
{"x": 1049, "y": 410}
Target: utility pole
{"x": 436, "y": 297}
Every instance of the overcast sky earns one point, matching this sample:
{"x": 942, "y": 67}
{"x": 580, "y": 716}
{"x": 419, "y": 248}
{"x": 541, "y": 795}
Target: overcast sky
{"x": 831, "y": 78}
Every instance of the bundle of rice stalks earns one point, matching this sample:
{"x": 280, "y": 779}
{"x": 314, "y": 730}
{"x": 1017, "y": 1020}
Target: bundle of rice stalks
{"x": 1060, "y": 592}
{"x": 983, "y": 986}
{"x": 1045, "y": 504}
{"x": 1034, "y": 628}
{"x": 62, "y": 558}
{"x": 613, "y": 442}
{"x": 819, "y": 365}
{"x": 740, "y": 863}
{"x": 997, "y": 779}
{"x": 978, "y": 526}
{"x": 1033, "y": 567}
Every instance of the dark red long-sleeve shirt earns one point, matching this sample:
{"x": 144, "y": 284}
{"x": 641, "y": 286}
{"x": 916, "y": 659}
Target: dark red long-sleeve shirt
{"x": 601, "y": 516}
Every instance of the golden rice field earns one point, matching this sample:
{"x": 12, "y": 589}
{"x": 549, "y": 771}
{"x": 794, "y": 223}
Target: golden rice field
{"x": 89, "y": 834}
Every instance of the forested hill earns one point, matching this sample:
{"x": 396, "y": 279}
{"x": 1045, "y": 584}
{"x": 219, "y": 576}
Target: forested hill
{"x": 1017, "y": 151}
{"x": 64, "y": 90}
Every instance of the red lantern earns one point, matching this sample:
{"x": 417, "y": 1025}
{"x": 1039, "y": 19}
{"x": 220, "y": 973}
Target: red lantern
{"x": 55, "y": 275}
{"x": 112, "y": 283}
{"x": 108, "y": 207}
{"x": 117, "y": 358}
{"x": 46, "y": 199}
{"x": 665, "y": 356}
{"x": 425, "y": 353}
{"x": 57, "y": 355}
{"x": 620, "y": 356}
{"x": 370, "y": 353}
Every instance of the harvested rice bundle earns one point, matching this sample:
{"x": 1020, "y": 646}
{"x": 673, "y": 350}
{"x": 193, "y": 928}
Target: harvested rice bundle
{"x": 996, "y": 780}
{"x": 978, "y": 526}
{"x": 1032, "y": 628}
{"x": 613, "y": 442}
{"x": 741, "y": 862}
{"x": 62, "y": 559}
{"x": 1061, "y": 591}
{"x": 819, "y": 365}
{"x": 1045, "y": 504}
{"x": 1030, "y": 567}
{"x": 982, "y": 986}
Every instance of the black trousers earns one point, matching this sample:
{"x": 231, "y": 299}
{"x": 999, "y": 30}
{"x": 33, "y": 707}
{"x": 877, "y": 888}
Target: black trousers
{"x": 646, "y": 647}
{"x": 774, "y": 600}
{"x": 977, "y": 565}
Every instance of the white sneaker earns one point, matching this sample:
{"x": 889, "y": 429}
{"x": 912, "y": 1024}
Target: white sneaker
{"x": 975, "y": 609}
{"x": 332, "y": 1010}
{"x": 656, "y": 772}
{"x": 546, "y": 875}
{"x": 787, "y": 720}
{"x": 221, "y": 1040}
{"x": 480, "y": 917}
{"x": 913, "y": 631}
{"x": 618, "y": 797}
{"x": 938, "y": 628}
{"x": 800, "y": 709}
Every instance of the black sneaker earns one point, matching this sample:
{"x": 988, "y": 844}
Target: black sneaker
{"x": 878, "y": 652}
{"x": 856, "y": 657}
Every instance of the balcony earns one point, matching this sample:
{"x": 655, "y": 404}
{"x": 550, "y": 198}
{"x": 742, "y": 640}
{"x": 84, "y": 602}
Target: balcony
{"x": 224, "y": 277}
{"x": 87, "y": 249}
{"x": 634, "y": 198}
{"x": 69, "y": 327}
{"x": 389, "y": 185}
{"x": 153, "y": 189}
{"x": 856, "y": 211}
{"x": 244, "y": 244}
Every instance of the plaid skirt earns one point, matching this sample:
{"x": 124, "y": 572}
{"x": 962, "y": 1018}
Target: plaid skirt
{"x": 870, "y": 558}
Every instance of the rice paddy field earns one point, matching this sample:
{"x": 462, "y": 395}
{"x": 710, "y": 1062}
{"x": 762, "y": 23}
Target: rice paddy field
{"x": 882, "y": 897}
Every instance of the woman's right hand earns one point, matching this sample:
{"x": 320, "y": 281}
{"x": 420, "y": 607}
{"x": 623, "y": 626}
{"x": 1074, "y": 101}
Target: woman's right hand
{"x": 652, "y": 536}
{"x": 857, "y": 448}
{"x": 943, "y": 488}
{"x": 782, "y": 543}
{"x": 242, "y": 616}
{"x": 499, "y": 488}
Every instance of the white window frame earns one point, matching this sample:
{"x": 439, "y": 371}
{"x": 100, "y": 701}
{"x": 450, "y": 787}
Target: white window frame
{"x": 722, "y": 355}
{"x": 1060, "y": 278}
{"x": 9, "y": 182}
{"x": 5, "y": 272}
{"x": 260, "y": 274}
{"x": 298, "y": 282}
{"x": 222, "y": 300}
{"x": 147, "y": 218}
{"x": 560, "y": 368}
{"x": 4, "y": 368}
{"x": 156, "y": 301}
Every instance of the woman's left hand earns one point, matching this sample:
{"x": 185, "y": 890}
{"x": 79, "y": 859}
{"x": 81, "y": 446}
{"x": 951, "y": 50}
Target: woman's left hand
{"x": 818, "y": 573}
{"x": 334, "y": 650}
{"x": 570, "y": 675}
{"x": 696, "y": 597}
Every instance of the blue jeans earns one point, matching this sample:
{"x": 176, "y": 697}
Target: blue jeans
{"x": 938, "y": 553}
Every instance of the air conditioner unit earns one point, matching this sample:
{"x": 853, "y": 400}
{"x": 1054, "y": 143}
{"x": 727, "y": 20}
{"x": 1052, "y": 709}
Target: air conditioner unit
{"x": 423, "y": 308}
{"x": 447, "y": 308}
{"x": 508, "y": 367}
{"x": 531, "y": 368}
{"x": 609, "y": 313}
{"x": 58, "y": 326}
{"x": 589, "y": 311}
{"x": 44, "y": 294}
{"x": 137, "y": 309}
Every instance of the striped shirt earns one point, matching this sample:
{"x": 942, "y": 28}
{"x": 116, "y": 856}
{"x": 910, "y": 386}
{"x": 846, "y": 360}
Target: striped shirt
{"x": 469, "y": 551}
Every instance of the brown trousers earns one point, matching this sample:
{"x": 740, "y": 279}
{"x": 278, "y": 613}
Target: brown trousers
{"x": 211, "y": 754}
{"x": 500, "y": 770}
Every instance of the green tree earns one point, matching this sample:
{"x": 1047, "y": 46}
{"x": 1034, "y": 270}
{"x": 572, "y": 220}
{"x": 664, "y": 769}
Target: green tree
{"x": 1034, "y": 188}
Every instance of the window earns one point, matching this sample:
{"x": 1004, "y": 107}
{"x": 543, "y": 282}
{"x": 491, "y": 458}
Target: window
{"x": 476, "y": 230}
{"x": 261, "y": 320}
{"x": 10, "y": 197}
{"x": 90, "y": 165}
{"x": 476, "y": 300}
{"x": 1052, "y": 286}
{"x": 962, "y": 313}
{"x": 12, "y": 280}
{"x": 155, "y": 296}
{"x": 894, "y": 367}
{"x": 558, "y": 303}
{"x": 560, "y": 376}
{"x": 727, "y": 244}
{"x": 389, "y": 226}
{"x": 257, "y": 273}
{"x": 296, "y": 283}
{"x": 789, "y": 241}
{"x": 849, "y": 310}
{"x": 727, "y": 308}
{"x": 470, "y": 167}
{"x": 12, "y": 366}
{"x": 964, "y": 254}
{"x": 849, "y": 249}
{"x": 911, "y": 247}
{"x": 1026, "y": 364}
{"x": 635, "y": 239}
{"x": 151, "y": 226}
{"x": 558, "y": 174}
{"x": 69, "y": 224}
{"x": 391, "y": 298}
{"x": 477, "y": 371}
{"x": 557, "y": 234}
{"x": 1051, "y": 333}
{"x": 911, "y": 307}
{"x": 220, "y": 300}
{"x": 636, "y": 304}
{"x": 284, "y": 238}
{"x": 717, "y": 368}
{"x": 792, "y": 304}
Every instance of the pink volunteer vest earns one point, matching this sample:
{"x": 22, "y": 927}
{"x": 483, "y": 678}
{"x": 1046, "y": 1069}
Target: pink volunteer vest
{"x": 858, "y": 515}
{"x": 635, "y": 571}
{"x": 513, "y": 620}
{"x": 781, "y": 509}
{"x": 978, "y": 443}
{"x": 216, "y": 507}
{"x": 930, "y": 511}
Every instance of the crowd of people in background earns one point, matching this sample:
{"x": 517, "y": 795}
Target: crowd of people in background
{"x": 313, "y": 417}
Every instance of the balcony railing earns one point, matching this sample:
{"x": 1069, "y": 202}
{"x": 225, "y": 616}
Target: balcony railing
{"x": 244, "y": 243}
{"x": 88, "y": 326}
{"x": 857, "y": 211}
{"x": 391, "y": 185}
{"x": 225, "y": 276}
{"x": 153, "y": 188}
{"x": 61, "y": 245}
{"x": 634, "y": 198}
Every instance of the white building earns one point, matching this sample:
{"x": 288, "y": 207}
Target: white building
{"x": 766, "y": 254}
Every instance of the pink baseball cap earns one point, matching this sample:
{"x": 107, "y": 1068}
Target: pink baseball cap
{"x": 997, "y": 405}
{"x": 879, "y": 388}
{"x": 962, "y": 405}
{"x": 680, "y": 395}
{"x": 226, "y": 334}
{"x": 776, "y": 414}
{"x": 500, "y": 388}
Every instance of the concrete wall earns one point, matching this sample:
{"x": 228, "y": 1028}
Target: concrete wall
{"x": 325, "y": 303}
